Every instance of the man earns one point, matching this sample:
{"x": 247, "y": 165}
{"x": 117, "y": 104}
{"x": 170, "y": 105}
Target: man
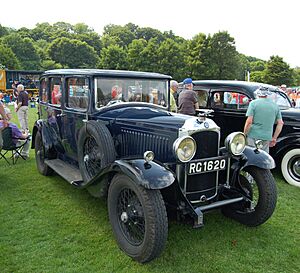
{"x": 22, "y": 108}
{"x": 173, "y": 95}
{"x": 18, "y": 135}
{"x": 262, "y": 114}
{"x": 187, "y": 100}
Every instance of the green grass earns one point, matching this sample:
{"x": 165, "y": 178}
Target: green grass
{"x": 46, "y": 225}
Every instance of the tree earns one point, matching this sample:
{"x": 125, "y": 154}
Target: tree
{"x": 123, "y": 35}
{"x": 7, "y": 58}
{"x": 134, "y": 58}
{"x": 222, "y": 58}
{"x": 3, "y": 31}
{"x": 24, "y": 50}
{"x": 170, "y": 59}
{"x": 113, "y": 57}
{"x": 257, "y": 76}
{"x": 278, "y": 72}
{"x": 71, "y": 53}
{"x": 196, "y": 57}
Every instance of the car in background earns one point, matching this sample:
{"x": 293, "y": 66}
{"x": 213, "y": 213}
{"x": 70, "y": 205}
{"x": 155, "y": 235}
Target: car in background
{"x": 110, "y": 132}
{"x": 229, "y": 101}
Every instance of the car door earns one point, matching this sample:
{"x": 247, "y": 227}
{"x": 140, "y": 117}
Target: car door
{"x": 230, "y": 106}
{"x": 77, "y": 90}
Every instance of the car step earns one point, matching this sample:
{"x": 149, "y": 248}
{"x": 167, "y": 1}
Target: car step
{"x": 67, "y": 171}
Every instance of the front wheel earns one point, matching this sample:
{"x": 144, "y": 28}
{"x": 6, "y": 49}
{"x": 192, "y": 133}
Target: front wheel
{"x": 290, "y": 167}
{"x": 259, "y": 187}
{"x": 138, "y": 218}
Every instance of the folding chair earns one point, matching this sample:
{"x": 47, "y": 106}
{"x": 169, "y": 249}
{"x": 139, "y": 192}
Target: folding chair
{"x": 10, "y": 146}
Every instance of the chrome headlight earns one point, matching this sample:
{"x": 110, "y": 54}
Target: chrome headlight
{"x": 184, "y": 148}
{"x": 148, "y": 156}
{"x": 259, "y": 144}
{"x": 235, "y": 143}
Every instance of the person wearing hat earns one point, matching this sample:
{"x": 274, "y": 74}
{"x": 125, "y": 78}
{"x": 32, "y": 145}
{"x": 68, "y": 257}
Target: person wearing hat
{"x": 187, "y": 99}
{"x": 262, "y": 114}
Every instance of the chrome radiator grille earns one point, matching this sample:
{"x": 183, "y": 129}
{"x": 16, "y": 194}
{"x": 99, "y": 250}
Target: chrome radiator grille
{"x": 206, "y": 183}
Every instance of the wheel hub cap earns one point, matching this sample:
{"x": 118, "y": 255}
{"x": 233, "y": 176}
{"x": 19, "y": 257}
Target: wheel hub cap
{"x": 296, "y": 167}
{"x": 124, "y": 217}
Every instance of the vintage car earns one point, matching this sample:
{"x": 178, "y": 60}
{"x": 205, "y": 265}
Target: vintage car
{"x": 229, "y": 101}
{"x": 110, "y": 132}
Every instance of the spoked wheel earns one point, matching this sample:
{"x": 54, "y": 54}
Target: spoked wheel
{"x": 290, "y": 167}
{"x": 131, "y": 215}
{"x": 258, "y": 186}
{"x": 138, "y": 218}
{"x": 40, "y": 156}
{"x": 95, "y": 149}
{"x": 92, "y": 157}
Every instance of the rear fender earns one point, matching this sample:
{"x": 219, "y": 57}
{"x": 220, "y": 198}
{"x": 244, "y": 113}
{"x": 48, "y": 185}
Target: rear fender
{"x": 49, "y": 136}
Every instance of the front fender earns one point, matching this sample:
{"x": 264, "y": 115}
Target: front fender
{"x": 258, "y": 158}
{"x": 149, "y": 175}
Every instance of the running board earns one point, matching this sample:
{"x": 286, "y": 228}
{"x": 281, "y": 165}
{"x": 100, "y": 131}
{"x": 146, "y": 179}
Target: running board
{"x": 65, "y": 170}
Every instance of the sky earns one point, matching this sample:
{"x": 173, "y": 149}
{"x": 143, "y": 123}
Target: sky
{"x": 261, "y": 28}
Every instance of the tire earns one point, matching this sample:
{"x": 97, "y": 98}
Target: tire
{"x": 40, "y": 156}
{"x": 259, "y": 186}
{"x": 138, "y": 217}
{"x": 290, "y": 167}
{"x": 95, "y": 149}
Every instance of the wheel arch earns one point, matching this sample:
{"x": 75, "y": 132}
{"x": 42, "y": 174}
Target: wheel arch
{"x": 258, "y": 158}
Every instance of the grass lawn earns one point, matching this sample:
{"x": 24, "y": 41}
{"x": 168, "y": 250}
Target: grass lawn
{"x": 46, "y": 225}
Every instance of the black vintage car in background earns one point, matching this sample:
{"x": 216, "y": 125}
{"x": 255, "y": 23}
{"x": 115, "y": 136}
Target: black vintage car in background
{"x": 229, "y": 101}
{"x": 110, "y": 132}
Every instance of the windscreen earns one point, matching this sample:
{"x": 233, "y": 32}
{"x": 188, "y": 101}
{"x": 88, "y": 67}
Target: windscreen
{"x": 111, "y": 91}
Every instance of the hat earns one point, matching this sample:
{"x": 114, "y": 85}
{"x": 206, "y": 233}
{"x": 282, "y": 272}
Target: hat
{"x": 262, "y": 91}
{"x": 187, "y": 81}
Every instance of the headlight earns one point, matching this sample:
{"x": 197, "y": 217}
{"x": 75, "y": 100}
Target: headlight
{"x": 185, "y": 148}
{"x": 148, "y": 156}
{"x": 259, "y": 144}
{"x": 235, "y": 143}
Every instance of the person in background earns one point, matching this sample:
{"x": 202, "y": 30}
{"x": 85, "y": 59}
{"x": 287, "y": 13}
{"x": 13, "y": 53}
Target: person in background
{"x": 22, "y": 108}
{"x": 187, "y": 99}
{"x": 173, "y": 89}
{"x": 4, "y": 121}
{"x": 262, "y": 114}
{"x": 17, "y": 134}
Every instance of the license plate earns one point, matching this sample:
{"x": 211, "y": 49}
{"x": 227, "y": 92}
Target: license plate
{"x": 207, "y": 165}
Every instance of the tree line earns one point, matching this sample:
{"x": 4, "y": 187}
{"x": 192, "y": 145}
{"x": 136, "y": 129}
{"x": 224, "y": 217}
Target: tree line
{"x": 130, "y": 47}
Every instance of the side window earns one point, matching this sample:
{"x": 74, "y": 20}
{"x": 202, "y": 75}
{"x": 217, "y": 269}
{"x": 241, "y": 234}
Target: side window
{"x": 56, "y": 89}
{"x": 44, "y": 95}
{"x": 235, "y": 100}
{"x": 217, "y": 99}
{"x": 202, "y": 95}
{"x": 77, "y": 93}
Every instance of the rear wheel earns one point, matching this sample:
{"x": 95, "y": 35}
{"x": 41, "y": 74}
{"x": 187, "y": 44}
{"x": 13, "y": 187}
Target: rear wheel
{"x": 40, "y": 156}
{"x": 138, "y": 218}
{"x": 259, "y": 187}
{"x": 290, "y": 167}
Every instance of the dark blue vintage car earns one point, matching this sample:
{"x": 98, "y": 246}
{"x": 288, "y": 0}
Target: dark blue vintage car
{"x": 229, "y": 101}
{"x": 110, "y": 132}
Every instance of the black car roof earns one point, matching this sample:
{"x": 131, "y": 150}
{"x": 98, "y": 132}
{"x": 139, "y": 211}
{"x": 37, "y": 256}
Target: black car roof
{"x": 226, "y": 83}
{"x": 107, "y": 73}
